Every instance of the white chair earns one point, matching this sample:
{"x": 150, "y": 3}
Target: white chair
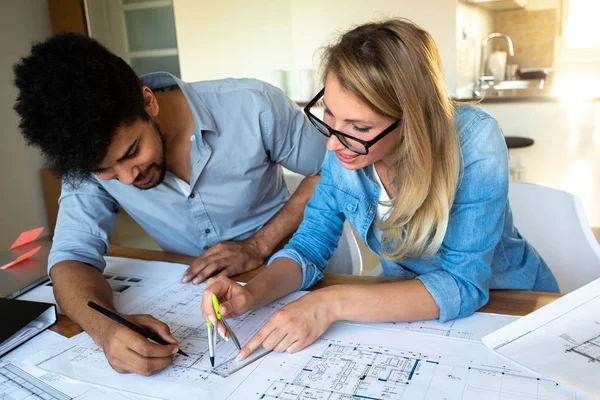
{"x": 555, "y": 224}
{"x": 346, "y": 258}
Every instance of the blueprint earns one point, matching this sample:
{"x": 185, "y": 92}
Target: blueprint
{"x": 19, "y": 380}
{"x": 154, "y": 288}
{"x": 474, "y": 327}
{"x": 16, "y": 382}
{"x": 132, "y": 281}
{"x": 357, "y": 362}
{"x": 387, "y": 361}
{"x": 588, "y": 349}
{"x": 560, "y": 340}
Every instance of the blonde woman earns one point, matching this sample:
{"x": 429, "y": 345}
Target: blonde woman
{"x": 424, "y": 183}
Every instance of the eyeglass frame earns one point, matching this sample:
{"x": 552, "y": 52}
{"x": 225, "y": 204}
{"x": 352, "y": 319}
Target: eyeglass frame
{"x": 366, "y": 143}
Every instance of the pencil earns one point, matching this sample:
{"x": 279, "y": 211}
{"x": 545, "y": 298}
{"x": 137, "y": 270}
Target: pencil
{"x": 123, "y": 321}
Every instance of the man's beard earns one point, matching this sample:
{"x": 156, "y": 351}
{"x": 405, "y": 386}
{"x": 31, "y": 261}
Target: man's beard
{"x": 161, "y": 166}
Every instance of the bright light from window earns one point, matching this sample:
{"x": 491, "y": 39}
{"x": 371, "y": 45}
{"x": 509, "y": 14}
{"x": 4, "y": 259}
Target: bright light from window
{"x": 597, "y": 128}
{"x": 583, "y": 29}
{"x": 576, "y": 86}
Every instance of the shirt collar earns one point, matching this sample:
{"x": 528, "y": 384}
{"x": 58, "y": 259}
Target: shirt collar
{"x": 203, "y": 120}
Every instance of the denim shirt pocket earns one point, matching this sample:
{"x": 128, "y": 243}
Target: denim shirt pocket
{"x": 349, "y": 205}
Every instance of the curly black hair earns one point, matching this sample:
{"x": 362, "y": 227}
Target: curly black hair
{"x": 73, "y": 94}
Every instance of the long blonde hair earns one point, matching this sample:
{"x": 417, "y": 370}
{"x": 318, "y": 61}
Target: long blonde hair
{"x": 394, "y": 67}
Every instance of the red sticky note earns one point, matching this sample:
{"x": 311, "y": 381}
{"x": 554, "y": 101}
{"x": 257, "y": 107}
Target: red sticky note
{"x": 22, "y": 257}
{"x": 27, "y": 237}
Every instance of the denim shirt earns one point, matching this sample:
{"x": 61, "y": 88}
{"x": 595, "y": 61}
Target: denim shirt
{"x": 482, "y": 249}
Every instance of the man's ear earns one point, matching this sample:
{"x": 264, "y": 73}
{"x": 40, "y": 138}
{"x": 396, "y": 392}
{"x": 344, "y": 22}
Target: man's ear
{"x": 150, "y": 103}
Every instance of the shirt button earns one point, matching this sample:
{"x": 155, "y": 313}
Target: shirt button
{"x": 207, "y": 231}
{"x": 370, "y": 211}
{"x": 192, "y": 138}
{"x": 349, "y": 207}
{"x": 192, "y": 196}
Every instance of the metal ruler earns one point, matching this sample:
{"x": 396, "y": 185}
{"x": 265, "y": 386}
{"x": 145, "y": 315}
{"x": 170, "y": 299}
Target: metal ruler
{"x": 230, "y": 366}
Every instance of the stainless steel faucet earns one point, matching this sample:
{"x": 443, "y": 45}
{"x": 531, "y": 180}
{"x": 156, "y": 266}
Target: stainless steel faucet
{"x": 484, "y": 82}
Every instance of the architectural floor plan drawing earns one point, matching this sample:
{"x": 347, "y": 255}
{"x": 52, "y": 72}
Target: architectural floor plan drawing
{"x": 350, "y": 361}
{"x": 474, "y": 327}
{"x": 589, "y": 349}
{"x": 24, "y": 381}
{"x": 402, "y": 366}
{"x": 560, "y": 340}
{"x": 18, "y": 384}
{"x": 160, "y": 293}
{"x": 132, "y": 281}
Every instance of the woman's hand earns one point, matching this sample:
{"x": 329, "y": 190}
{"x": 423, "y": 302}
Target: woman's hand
{"x": 234, "y": 300}
{"x": 293, "y": 327}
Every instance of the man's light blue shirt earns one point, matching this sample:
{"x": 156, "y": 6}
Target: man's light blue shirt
{"x": 245, "y": 130}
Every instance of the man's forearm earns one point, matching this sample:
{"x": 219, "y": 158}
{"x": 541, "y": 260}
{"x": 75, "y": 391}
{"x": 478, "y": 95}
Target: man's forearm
{"x": 286, "y": 221}
{"x": 76, "y": 283}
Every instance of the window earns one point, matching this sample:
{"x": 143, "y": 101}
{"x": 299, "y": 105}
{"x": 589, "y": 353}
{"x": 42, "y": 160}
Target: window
{"x": 582, "y": 29}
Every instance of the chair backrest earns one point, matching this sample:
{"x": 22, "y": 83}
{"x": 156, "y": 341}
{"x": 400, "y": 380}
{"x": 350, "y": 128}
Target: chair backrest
{"x": 554, "y": 223}
{"x": 346, "y": 258}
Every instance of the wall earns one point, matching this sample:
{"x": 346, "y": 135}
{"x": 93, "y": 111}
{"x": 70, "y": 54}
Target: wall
{"x": 21, "y": 202}
{"x": 472, "y": 25}
{"x": 315, "y": 23}
{"x": 566, "y": 153}
{"x": 233, "y": 38}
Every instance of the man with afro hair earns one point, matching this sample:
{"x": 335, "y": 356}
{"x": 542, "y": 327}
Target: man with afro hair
{"x": 197, "y": 165}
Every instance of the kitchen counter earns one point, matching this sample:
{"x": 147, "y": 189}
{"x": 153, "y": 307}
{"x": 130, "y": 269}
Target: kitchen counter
{"x": 524, "y": 95}
{"x": 512, "y": 96}
{"x": 520, "y": 98}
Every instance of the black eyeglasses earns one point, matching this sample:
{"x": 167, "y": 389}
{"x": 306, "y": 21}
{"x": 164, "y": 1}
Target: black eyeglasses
{"x": 352, "y": 143}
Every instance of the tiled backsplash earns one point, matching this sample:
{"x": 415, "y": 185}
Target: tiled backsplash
{"x": 533, "y": 34}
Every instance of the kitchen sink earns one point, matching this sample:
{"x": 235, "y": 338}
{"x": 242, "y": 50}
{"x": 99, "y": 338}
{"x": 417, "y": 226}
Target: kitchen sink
{"x": 528, "y": 87}
{"x": 518, "y": 85}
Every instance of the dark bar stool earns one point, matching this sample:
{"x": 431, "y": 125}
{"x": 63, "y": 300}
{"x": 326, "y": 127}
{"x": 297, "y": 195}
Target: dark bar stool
{"x": 516, "y": 142}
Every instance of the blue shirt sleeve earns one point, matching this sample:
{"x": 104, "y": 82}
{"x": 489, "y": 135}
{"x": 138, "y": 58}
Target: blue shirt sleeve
{"x": 475, "y": 225}
{"x": 288, "y": 136}
{"x": 317, "y": 237}
{"x": 86, "y": 216}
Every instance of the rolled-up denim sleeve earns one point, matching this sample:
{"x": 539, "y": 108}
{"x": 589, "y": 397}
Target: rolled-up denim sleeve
{"x": 475, "y": 225}
{"x": 288, "y": 136}
{"x": 86, "y": 217}
{"x": 317, "y": 237}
